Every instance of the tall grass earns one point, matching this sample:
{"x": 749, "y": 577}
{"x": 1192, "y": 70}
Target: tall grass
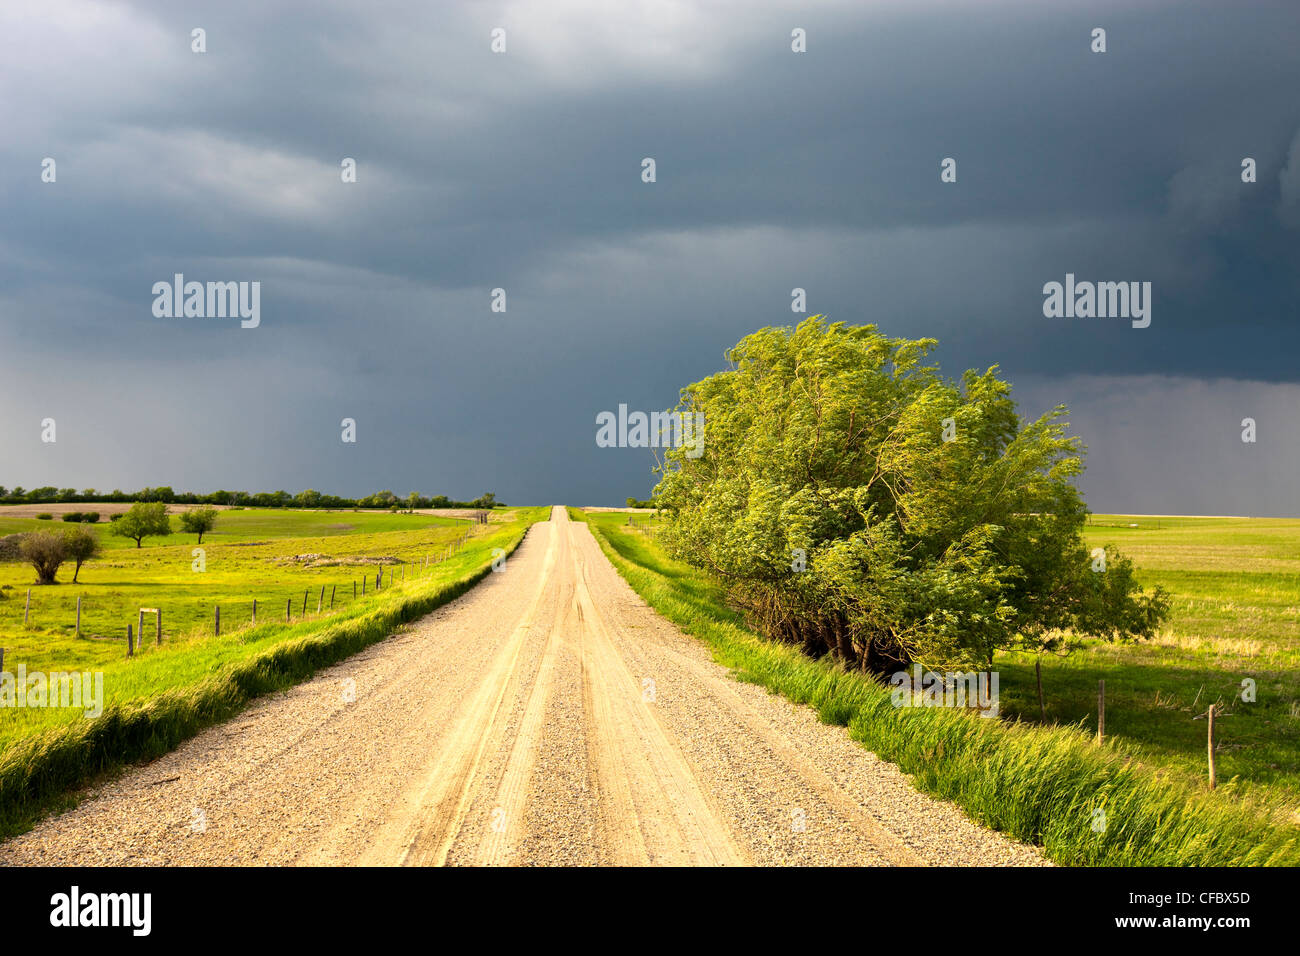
{"x": 1085, "y": 804}
{"x": 37, "y": 773}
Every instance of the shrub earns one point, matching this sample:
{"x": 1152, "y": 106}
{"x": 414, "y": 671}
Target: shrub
{"x": 11, "y": 547}
{"x": 90, "y": 517}
{"x": 45, "y": 551}
{"x": 45, "y": 516}
{"x": 72, "y": 516}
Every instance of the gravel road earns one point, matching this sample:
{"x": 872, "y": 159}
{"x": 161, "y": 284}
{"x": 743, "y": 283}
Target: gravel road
{"x": 546, "y": 717}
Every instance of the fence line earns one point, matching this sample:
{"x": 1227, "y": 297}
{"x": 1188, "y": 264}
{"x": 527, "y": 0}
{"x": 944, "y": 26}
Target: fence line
{"x": 135, "y": 629}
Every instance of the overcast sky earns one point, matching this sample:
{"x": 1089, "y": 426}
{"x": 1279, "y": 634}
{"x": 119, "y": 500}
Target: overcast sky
{"x": 523, "y": 170}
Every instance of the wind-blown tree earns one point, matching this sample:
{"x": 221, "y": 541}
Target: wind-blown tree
{"x": 855, "y": 502}
{"x": 199, "y": 521}
{"x": 143, "y": 520}
{"x": 80, "y": 544}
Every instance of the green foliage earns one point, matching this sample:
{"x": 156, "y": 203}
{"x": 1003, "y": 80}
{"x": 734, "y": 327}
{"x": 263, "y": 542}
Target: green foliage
{"x": 45, "y": 516}
{"x": 80, "y": 545}
{"x": 199, "y": 520}
{"x": 856, "y": 502}
{"x": 143, "y": 520}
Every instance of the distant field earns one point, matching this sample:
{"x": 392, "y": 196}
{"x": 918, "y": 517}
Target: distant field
{"x": 1235, "y": 584}
{"x": 166, "y": 694}
{"x": 238, "y": 524}
{"x": 250, "y": 555}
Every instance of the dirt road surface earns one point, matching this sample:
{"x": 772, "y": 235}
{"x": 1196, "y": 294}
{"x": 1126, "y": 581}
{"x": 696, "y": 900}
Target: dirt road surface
{"x": 546, "y": 717}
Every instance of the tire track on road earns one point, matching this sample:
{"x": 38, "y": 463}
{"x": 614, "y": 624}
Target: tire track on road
{"x": 634, "y": 757}
{"x": 450, "y": 783}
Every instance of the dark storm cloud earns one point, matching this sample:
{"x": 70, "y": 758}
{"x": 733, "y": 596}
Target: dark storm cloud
{"x": 521, "y": 171}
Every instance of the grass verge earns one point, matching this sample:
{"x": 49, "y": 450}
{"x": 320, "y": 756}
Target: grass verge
{"x": 1055, "y": 787}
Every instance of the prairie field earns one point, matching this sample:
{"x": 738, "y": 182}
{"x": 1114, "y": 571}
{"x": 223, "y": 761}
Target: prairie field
{"x": 290, "y": 562}
{"x": 1235, "y": 588}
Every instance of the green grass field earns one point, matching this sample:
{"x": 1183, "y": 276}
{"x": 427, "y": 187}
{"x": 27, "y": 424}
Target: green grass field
{"x": 245, "y": 558}
{"x": 167, "y": 693}
{"x": 248, "y": 556}
{"x": 1044, "y": 785}
{"x": 1235, "y": 585}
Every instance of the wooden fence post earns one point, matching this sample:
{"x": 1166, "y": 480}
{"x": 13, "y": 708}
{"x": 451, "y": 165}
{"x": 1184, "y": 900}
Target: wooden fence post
{"x": 78, "y": 615}
{"x": 158, "y": 627}
{"x": 1210, "y": 744}
{"x": 288, "y": 609}
{"x": 27, "y": 608}
{"x": 1038, "y": 673}
{"x": 333, "y": 588}
{"x": 139, "y": 625}
{"x": 2, "y": 659}
{"x": 320, "y": 601}
{"x": 354, "y": 590}
{"x": 1101, "y": 711}
{"x": 304, "y": 601}
{"x": 254, "y": 610}
{"x": 217, "y": 623}
{"x": 129, "y": 651}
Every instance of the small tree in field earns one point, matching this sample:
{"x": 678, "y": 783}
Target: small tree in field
{"x": 45, "y": 551}
{"x": 80, "y": 544}
{"x": 143, "y": 520}
{"x": 199, "y": 521}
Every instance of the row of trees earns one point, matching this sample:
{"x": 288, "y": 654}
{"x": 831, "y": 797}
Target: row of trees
{"x": 46, "y": 551}
{"x": 309, "y": 498}
{"x": 856, "y": 503}
{"x": 143, "y": 520}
